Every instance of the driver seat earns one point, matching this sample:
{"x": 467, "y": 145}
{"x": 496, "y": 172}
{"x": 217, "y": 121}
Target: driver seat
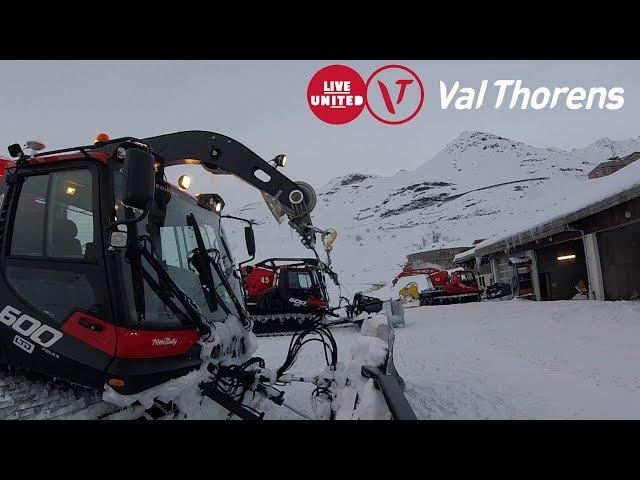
{"x": 63, "y": 240}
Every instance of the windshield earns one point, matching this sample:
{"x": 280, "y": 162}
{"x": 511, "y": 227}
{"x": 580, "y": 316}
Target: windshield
{"x": 467, "y": 277}
{"x": 172, "y": 243}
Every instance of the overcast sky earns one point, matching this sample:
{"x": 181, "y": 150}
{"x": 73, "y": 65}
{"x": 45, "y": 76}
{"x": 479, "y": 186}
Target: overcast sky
{"x": 263, "y": 105}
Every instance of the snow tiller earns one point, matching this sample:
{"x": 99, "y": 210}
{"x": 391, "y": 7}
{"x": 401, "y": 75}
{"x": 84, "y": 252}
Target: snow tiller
{"x": 119, "y": 297}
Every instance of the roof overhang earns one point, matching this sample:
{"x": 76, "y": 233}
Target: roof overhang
{"x": 546, "y": 229}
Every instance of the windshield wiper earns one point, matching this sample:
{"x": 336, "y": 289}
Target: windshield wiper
{"x": 199, "y": 262}
{"x": 203, "y": 253}
{"x": 171, "y": 288}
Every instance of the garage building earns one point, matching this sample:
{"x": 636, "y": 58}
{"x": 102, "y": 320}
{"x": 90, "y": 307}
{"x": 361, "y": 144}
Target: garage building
{"x": 593, "y": 245}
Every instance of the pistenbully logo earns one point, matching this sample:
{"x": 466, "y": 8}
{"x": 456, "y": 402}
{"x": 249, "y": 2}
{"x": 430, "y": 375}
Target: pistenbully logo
{"x": 164, "y": 342}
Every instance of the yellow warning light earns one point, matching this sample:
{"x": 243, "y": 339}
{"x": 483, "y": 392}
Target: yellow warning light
{"x": 71, "y": 190}
{"x": 101, "y": 138}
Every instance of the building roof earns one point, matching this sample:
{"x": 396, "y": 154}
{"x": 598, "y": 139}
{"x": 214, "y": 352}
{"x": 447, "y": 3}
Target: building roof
{"x": 439, "y": 250}
{"x": 588, "y": 198}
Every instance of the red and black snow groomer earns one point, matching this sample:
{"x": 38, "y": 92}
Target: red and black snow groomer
{"x": 447, "y": 286}
{"x": 286, "y": 294}
{"x": 111, "y": 276}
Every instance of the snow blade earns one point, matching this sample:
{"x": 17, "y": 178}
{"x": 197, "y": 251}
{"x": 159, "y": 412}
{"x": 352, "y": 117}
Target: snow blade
{"x": 392, "y": 391}
{"x": 370, "y": 388}
{"x": 391, "y": 340}
{"x": 364, "y": 304}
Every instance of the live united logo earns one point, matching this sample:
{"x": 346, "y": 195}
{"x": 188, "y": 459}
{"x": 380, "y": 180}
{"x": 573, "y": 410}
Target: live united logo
{"x": 337, "y": 94}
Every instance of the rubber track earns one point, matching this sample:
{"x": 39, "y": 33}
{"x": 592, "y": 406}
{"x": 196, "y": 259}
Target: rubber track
{"x": 281, "y": 324}
{"x": 334, "y": 322}
{"x": 27, "y": 396}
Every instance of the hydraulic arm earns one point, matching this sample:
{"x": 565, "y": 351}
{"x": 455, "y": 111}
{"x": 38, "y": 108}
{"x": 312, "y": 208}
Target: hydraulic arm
{"x": 220, "y": 154}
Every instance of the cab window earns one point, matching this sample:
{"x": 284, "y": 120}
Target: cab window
{"x": 299, "y": 280}
{"x": 28, "y": 228}
{"x": 54, "y": 216}
{"x": 467, "y": 277}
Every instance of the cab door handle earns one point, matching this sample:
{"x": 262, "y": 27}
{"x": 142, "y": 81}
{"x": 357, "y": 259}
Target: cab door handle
{"x": 94, "y": 327}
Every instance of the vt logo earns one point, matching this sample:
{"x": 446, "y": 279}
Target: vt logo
{"x": 394, "y": 94}
{"x": 387, "y": 97}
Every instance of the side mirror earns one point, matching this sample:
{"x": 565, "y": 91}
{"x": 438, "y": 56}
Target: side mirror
{"x": 139, "y": 179}
{"x": 118, "y": 239}
{"x": 250, "y": 240}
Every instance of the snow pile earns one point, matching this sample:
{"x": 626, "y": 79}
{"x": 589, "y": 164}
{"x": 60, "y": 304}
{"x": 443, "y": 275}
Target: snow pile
{"x": 358, "y": 399}
{"x": 184, "y": 392}
{"x": 164, "y": 392}
{"x": 228, "y": 340}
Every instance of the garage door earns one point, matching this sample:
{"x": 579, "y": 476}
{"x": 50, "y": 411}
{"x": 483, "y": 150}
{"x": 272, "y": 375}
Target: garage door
{"x": 620, "y": 260}
{"x": 561, "y": 267}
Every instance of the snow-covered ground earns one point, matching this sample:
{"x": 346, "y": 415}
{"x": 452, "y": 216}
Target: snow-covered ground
{"x": 504, "y": 360}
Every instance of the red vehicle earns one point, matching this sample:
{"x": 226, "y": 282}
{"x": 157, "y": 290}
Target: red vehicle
{"x": 285, "y": 293}
{"x": 458, "y": 286}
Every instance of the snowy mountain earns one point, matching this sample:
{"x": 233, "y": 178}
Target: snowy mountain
{"x": 478, "y": 186}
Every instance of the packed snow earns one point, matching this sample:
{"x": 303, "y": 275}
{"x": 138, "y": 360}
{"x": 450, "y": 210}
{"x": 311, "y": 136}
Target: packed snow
{"x": 503, "y": 360}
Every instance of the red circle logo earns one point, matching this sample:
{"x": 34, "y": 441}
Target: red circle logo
{"x": 336, "y": 94}
{"x": 394, "y": 94}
